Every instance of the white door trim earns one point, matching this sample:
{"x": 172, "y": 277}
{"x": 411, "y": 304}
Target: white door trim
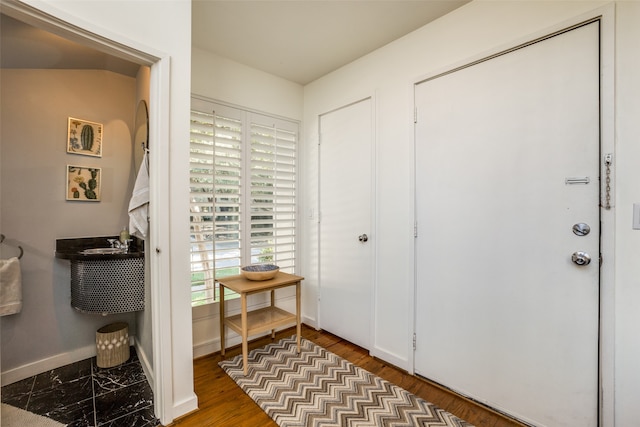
{"x": 607, "y": 217}
{"x": 606, "y": 16}
{"x": 159, "y": 108}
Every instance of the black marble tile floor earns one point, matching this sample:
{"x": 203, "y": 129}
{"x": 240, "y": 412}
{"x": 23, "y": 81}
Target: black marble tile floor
{"x": 81, "y": 395}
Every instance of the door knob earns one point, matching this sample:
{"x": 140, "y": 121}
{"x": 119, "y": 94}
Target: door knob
{"x": 363, "y": 238}
{"x": 580, "y": 258}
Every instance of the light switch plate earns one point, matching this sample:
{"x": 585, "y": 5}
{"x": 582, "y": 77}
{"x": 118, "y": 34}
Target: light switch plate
{"x": 636, "y": 216}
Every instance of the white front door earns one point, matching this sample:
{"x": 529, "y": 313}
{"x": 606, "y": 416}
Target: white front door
{"x": 507, "y": 163}
{"x": 346, "y": 246}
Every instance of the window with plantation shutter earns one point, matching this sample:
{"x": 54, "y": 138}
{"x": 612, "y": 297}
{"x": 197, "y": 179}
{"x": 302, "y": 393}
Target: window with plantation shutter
{"x": 243, "y": 194}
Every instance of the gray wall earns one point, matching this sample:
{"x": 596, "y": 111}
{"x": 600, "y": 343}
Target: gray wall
{"x": 35, "y": 106}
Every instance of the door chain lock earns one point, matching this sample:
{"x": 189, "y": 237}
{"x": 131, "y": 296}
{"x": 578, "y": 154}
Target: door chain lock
{"x": 608, "y": 160}
{"x": 581, "y": 229}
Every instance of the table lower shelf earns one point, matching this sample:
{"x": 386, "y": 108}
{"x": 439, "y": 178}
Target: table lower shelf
{"x": 260, "y": 320}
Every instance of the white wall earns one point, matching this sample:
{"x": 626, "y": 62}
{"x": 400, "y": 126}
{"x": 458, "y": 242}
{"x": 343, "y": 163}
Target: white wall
{"x": 35, "y": 108}
{"x": 159, "y": 28}
{"x": 223, "y": 80}
{"x": 389, "y": 74}
{"x": 627, "y": 180}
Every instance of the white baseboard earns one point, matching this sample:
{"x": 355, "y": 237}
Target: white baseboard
{"x": 185, "y": 407}
{"x": 392, "y": 358}
{"x": 211, "y": 346}
{"x": 147, "y": 366}
{"x": 206, "y": 347}
{"x": 311, "y": 322}
{"x": 49, "y": 363}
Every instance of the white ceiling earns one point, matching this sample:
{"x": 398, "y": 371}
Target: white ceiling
{"x": 304, "y": 40}
{"x": 296, "y": 40}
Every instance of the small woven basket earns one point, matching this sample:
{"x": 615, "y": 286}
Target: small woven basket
{"x": 112, "y": 344}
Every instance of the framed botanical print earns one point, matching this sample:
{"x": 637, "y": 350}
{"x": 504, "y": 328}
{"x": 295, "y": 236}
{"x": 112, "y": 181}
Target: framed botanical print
{"x": 84, "y": 183}
{"x": 84, "y": 137}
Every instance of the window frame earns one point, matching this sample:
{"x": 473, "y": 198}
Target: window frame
{"x": 250, "y": 119}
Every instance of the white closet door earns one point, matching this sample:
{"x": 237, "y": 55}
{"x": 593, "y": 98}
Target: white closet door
{"x": 346, "y": 211}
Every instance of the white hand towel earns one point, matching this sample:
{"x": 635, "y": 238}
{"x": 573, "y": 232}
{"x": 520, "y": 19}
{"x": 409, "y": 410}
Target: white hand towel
{"x": 139, "y": 204}
{"x": 10, "y": 286}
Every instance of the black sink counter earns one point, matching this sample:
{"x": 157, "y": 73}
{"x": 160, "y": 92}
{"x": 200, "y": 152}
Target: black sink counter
{"x": 72, "y": 248}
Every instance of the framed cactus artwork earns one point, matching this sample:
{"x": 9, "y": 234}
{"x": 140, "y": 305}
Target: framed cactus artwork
{"x": 84, "y": 137}
{"x": 84, "y": 183}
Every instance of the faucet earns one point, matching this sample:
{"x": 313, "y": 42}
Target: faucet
{"x": 117, "y": 244}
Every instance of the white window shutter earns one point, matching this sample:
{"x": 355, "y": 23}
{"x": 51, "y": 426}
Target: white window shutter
{"x": 243, "y": 194}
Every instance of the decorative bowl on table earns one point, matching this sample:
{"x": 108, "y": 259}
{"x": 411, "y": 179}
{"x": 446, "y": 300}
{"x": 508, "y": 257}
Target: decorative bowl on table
{"x": 260, "y": 271}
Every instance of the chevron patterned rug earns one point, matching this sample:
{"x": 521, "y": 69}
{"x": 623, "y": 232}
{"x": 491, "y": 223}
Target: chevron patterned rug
{"x": 316, "y": 388}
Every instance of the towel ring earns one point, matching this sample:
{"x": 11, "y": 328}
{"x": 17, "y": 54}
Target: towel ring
{"x": 19, "y": 247}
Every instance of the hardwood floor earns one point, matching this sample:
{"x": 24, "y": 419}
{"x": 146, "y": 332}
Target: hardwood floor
{"x": 223, "y": 404}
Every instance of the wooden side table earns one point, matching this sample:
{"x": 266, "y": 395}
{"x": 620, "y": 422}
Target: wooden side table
{"x": 260, "y": 320}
